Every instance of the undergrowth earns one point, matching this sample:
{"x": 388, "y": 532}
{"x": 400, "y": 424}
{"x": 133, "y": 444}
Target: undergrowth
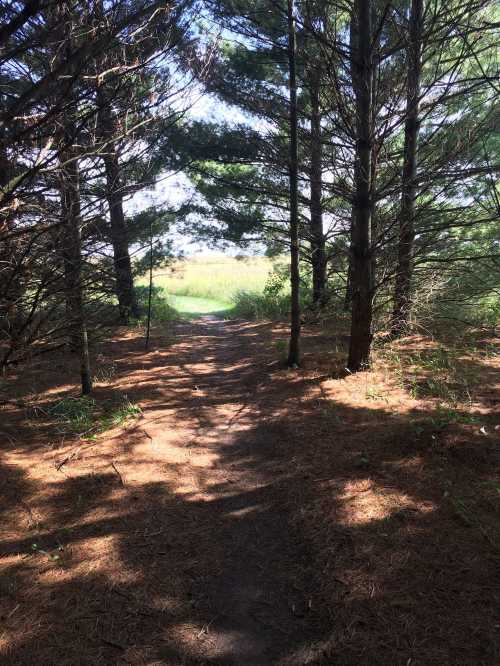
{"x": 255, "y": 305}
{"x": 161, "y": 311}
{"x": 446, "y": 373}
{"x": 83, "y": 417}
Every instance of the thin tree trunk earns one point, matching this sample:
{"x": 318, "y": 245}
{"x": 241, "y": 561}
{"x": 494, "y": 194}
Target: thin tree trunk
{"x": 375, "y": 222}
{"x": 72, "y": 254}
{"x": 348, "y": 284}
{"x": 362, "y": 279}
{"x": 71, "y": 219}
{"x": 150, "y": 291}
{"x": 318, "y": 255}
{"x": 10, "y": 286}
{"x": 124, "y": 282}
{"x": 402, "y": 292}
{"x": 294, "y": 347}
{"x": 11, "y": 283}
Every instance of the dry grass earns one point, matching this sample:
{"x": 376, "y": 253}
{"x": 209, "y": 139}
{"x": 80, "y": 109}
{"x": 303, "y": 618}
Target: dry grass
{"x": 214, "y": 277}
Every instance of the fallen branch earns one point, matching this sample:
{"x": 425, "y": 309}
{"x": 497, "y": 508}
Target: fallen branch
{"x": 122, "y": 482}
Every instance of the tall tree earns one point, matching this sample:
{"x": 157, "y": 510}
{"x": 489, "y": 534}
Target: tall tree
{"x": 294, "y": 346}
{"x": 108, "y": 131}
{"x": 313, "y": 78}
{"x": 361, "y": 249}
{"x": 70, "y": 229}
{"x": 402, "y": 293}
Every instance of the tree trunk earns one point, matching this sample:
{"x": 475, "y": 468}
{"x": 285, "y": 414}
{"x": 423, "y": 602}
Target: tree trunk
{"x": 348, "y": 284}
{"x": 318, "y": 255}
{"x": 11, "y": 283}
{"x": 71, "y": 216}
{"x": 402, "y": 292}
{"x": 294, "y": 347}
{"x": 10, "y": 286}
{"x": 123, "y": 267}
{"x": 362, "y": 279}
{"x": 72, "y": 254}
{"x": 150, "y": 290}
{"x": 124, "y": 281}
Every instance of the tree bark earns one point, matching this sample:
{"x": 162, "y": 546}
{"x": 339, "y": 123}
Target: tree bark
{"x": 402, "y": 291}
{"x": 124, "y": 282}
{"x": 318, "y": 255}
{"x": 361, "y": 250}
{"x": 9, "y": 277}
{"x": 294, "y": 347}
{"x": 71, "y": 221}
{"x": 72, "y": 255}
{"x": 348, "y": 284}
{"x": 11, "y": 269}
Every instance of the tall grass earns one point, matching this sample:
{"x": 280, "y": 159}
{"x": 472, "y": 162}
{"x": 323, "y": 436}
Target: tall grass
{"x": 249, "y": 288}
{"x": 218, "y": 278}
{"x": 255, "y": 305}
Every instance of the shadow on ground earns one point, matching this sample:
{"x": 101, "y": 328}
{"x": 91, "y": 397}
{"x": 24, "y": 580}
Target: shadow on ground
{"x": 246, "y": 519}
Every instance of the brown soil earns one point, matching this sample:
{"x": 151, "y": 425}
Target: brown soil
{"x": 252, "y": 515}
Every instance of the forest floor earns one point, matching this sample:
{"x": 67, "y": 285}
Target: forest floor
{"x": 252, "y": 515}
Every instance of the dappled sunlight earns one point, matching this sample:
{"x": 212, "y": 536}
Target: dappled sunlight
{"x": 246, "y": 511}
{"x": 244, "y": 507}
{"x": 361, "y": 501}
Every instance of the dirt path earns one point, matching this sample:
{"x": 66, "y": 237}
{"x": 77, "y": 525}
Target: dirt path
{"x": 255, "y": 606}
{"x": 251, "y": 516}
{"x": 184, "y": 515}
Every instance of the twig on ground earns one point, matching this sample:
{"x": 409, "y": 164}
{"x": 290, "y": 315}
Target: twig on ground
{"x": 122, "y": 482}
{"x": 206, "y": 627}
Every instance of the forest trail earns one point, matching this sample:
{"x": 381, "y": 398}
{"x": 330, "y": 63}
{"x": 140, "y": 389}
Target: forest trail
{"x": 221, "y": 434}
{"x": 250, "y": 515}
{"x": 180, "y": 524}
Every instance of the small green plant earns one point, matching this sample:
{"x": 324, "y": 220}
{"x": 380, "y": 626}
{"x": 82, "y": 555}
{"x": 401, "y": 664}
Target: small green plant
{"x": 445, "y": 415}
{"x": 73, "y": 414}
{"x": 124, "y": 412}
{"x": 80, "y": 416}
{"x": 374, "y": 393}
{"x": 281, "y": 347}
{"x": 276, "y": 282}
{"x": 35, "y": 548}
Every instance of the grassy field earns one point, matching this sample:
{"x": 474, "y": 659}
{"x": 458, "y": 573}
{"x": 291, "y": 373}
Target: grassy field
{"x": 208, "y": 284}
{"x": 194, "y": 305}
{"x": 214, "y": 277}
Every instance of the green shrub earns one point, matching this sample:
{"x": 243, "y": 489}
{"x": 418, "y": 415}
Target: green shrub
{"x": 281, "y": 347}
{"x": 255, "y": 305}
{"x": 161, "y": 310}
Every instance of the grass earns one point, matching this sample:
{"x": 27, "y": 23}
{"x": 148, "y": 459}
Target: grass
{"x": 216, "y": 278}
{"x": 447, "y": 377}
{"x": 193, "y": 306}
{"x": 81, "y": 415}
{"x": 255, "y": 305}
{"x": 225, "y": 286}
